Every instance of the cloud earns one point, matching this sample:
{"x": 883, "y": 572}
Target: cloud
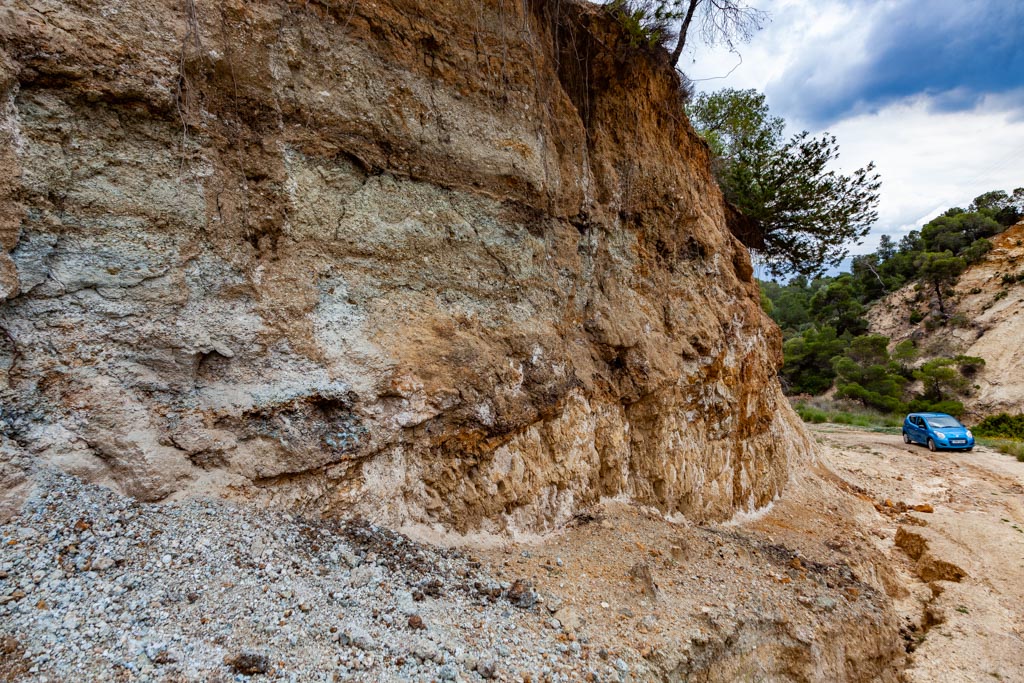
{"x": 932, "y": 159}
{"x": 819, "y": 62}
{"x": 933, "y": 93}
{"x": 955, "y": 52}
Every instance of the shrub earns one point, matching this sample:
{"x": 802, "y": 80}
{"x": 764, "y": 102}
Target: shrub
{"x": 959, "y": 320}
{"x": 916, "y": 317}
{"x": 1002, "y": 425}
{"x": 811, "y": 414}
{"x": 923, "y": 405}
{"x": 1009, "y": 279}
{"x": 819, "y": 410}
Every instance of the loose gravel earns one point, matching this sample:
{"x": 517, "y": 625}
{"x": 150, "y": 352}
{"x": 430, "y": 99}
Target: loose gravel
{"x": 96, "y": 586}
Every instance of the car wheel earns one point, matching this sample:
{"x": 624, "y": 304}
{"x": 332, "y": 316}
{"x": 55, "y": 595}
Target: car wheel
{"x": 906, "y": 438}
{"x": 931, "y": 445}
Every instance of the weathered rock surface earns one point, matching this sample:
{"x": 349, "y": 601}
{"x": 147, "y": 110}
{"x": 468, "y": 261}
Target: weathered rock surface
{"x": 437, "y": 262}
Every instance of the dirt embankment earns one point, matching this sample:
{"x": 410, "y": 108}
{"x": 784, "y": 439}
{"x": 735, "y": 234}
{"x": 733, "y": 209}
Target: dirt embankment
{"x": 450, "y": 262}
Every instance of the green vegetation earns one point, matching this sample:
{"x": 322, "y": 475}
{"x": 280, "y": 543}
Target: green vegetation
{"x": 1007, "y": 446}
{"x": 824, "y": 326}
{"x": 1002, "y": 425}
{"x": 807, "y": 213}
{"x": 820, "y": 410}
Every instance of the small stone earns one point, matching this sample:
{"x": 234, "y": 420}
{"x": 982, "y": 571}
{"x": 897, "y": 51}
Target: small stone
{"x": 569, "y": 618}
{"x": 103, "y": 563}
{"x": 248, "y": 663}
{"x": 362, "y": 575}
{"x": 826, "y": 603}
{"x": 521, "y": 594}
{"x": 416, "y": 622}
{"x": 359, "y": 638}
{"x": 305, "y": 607}
{"x": 487, "y": 668}
{"x": 447, "y": 673}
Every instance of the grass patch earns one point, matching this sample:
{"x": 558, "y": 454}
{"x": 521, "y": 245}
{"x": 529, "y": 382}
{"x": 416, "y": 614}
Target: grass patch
{"x": 1007, "y": 446}
{"x": 821, "y": 410}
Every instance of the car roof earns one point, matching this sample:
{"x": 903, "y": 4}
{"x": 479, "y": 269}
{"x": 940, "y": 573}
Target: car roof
{"x": 932, "y": 415}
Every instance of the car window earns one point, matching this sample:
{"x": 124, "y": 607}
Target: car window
{"x": 940, "y": 422}
{"x": 916, "y": 420}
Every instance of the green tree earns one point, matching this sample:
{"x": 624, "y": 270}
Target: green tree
{"x": 866, "y": 373}
{"x": 944, "y": 380}
{"x": 886, "y": 248}
{"x": 836, "y": 304}
{"x": 940, "y": 270}
{"x": 807, "y": 368}
{"x": 1004, "y": 208}
{"x": 807, "y": 212}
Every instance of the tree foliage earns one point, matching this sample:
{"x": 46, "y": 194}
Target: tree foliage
{"x": 656, "y": 22}
{"x": 940, "y": 270}
{"x": 807, "y": 211}
{"x": 868, "y": 374}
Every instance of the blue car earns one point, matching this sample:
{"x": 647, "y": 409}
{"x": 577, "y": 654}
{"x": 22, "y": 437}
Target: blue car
{"x": 937, "y": 430}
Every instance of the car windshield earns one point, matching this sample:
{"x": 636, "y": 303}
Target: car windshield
{"x": 940, "y": 422}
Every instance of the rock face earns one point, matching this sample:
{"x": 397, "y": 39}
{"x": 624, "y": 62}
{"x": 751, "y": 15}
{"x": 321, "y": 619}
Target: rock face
{"x": 441, "y": 262}
{"x": 988, "y": 308}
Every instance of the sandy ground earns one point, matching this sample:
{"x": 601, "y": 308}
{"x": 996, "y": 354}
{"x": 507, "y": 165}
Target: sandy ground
{"x": 971, "y": 629}
{"x": 938, "y": 590}
{"x": 881, "y": 562}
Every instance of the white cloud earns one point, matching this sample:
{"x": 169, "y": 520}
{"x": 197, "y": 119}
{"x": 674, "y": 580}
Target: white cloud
{"x": 930, "y": 157}
{"x": 932, "y": 160}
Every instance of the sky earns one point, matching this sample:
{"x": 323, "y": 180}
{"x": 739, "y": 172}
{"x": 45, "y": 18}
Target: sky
{"x": 931, "y": 91}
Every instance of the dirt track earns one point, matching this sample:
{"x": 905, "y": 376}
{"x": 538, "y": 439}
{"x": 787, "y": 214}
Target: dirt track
{"x": 967, "y": 630}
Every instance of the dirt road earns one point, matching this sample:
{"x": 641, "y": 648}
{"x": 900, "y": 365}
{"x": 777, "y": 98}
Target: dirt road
{"x": 963, "y": 563}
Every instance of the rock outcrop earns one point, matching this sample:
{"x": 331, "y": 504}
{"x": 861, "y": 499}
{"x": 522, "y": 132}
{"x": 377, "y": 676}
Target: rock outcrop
{"x": 447, "y": 262}
{"x": 987, "y": 321}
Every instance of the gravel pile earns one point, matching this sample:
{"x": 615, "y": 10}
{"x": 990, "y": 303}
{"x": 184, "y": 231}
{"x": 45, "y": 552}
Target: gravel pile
{"x": 95, "y": 586}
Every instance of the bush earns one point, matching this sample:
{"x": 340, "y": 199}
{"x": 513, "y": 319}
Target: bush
{"x": 820, "y": 410}
{"x": 1002, "y": 425}
{"x": 959, "y": 320}
{"x": 916, "y": 317}
{"x": 811, "y": 414}
{"x": 1009, "y": 279}
{"x": 923, "y": 405}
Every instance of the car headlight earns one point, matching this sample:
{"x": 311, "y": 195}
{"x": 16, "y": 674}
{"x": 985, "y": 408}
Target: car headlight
{"x": 940, "y": 435}
{"x": 969, "y": 435}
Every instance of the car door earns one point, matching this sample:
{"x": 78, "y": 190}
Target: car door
{"x": 920, "y": 431}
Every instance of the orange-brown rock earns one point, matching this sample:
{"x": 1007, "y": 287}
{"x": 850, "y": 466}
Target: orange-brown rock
{"x": 436, "y": 262}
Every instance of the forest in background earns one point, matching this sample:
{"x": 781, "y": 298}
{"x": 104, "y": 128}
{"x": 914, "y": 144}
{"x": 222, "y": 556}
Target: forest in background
{"x": 825, "y": 329}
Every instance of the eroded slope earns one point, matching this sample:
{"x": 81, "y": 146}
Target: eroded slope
{"x": 442, "y": 262}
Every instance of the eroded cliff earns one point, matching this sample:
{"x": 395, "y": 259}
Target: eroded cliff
{"x": 434, "y": 262}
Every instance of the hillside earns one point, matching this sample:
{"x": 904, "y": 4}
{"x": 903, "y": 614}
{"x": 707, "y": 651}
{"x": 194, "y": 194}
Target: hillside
{"x": 987, "y": 321}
